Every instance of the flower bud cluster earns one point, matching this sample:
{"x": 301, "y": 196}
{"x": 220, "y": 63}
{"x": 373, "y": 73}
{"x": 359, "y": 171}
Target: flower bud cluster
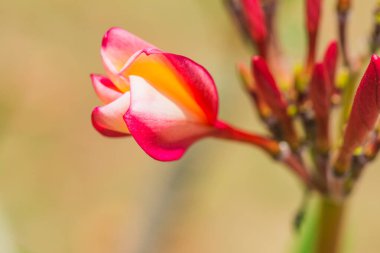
{"x": 166, "y": 102}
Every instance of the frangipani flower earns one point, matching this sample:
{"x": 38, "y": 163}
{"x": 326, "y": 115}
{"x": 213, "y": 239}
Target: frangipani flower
{"x": 165, "y": 101}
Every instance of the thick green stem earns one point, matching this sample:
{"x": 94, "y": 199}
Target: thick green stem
{"x": 330, "y": 226}
{"x": 322, "y": 227}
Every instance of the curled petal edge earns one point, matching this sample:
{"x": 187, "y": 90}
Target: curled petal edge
{"x": 161, "y": 127}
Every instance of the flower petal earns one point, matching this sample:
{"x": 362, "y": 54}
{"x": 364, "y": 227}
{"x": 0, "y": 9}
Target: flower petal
{"x": 118, "y": 46}
{"x": 199, "y": 82}
{"x": 108, "y": 119}
{"x": 162, "y": 127}
{"x": 105, "y": 89}
{"x": 179, "y": 78}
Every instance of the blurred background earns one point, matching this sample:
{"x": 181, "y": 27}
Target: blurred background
{"x": 65, "y": 188}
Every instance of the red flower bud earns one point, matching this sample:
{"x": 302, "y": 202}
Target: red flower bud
{"x": 268, "y": 88}
{"x": 330, "y": 61}
{"x": 364, "y": 114}
{"x": 320, "y": 93}
{"x": 250, "y": 86}
{"x": 313, "y": 13}
{"x": 256, "y": 25}
{"x": 269, "y": 91}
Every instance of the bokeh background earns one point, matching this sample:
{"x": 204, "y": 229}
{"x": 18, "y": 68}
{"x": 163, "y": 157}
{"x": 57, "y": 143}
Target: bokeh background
{"x": 64, "y": 188}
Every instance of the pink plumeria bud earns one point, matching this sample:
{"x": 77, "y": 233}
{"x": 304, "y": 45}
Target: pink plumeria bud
{"x": 269, "y": 91}
{"x": 330, "y": 60}
{"x": 165, "y": 101}
{"x": 250, "y": 86}
{"x": 313, "y": 13}
{"x": 256, "y": 24}
{"x": 363, "y": 117}
{"x": 320, "y": 94}
{"x": 320, "y": 90}
{"x": 267, "y": 87}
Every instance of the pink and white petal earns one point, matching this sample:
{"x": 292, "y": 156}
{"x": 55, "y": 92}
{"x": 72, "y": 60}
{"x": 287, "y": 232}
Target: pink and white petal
{"x": 179, "y": 77}
{"x": 200, "y": 83}
{"x": 105, "y": 89}
{"x": 108, "y": 119}
{"x": 162, "y": 128}
{"x": 117, "y": 46}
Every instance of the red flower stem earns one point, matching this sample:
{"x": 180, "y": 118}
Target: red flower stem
{"x": 293, "y": 162}
{"x": 226, "y": 131}
{"x": 262, "y": 48}
{"x": 375, "y": 39}
{"x": 277, "y": 150}
{"x": 343, "y": 9}
{"x": 290, "y": 134}
{"x": 322, "y": 147}
{"x": 322, "y": 135}
{"x": 270, "y": 9}
{"x": 372, "y": 148}
{"x": 375, "y": 148}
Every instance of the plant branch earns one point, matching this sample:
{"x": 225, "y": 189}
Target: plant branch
{"x": 278, "y": 150}
{"x": 330, "y": 227}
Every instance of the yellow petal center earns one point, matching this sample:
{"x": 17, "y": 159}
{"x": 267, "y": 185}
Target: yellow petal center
{"x": 159, "y": 72}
